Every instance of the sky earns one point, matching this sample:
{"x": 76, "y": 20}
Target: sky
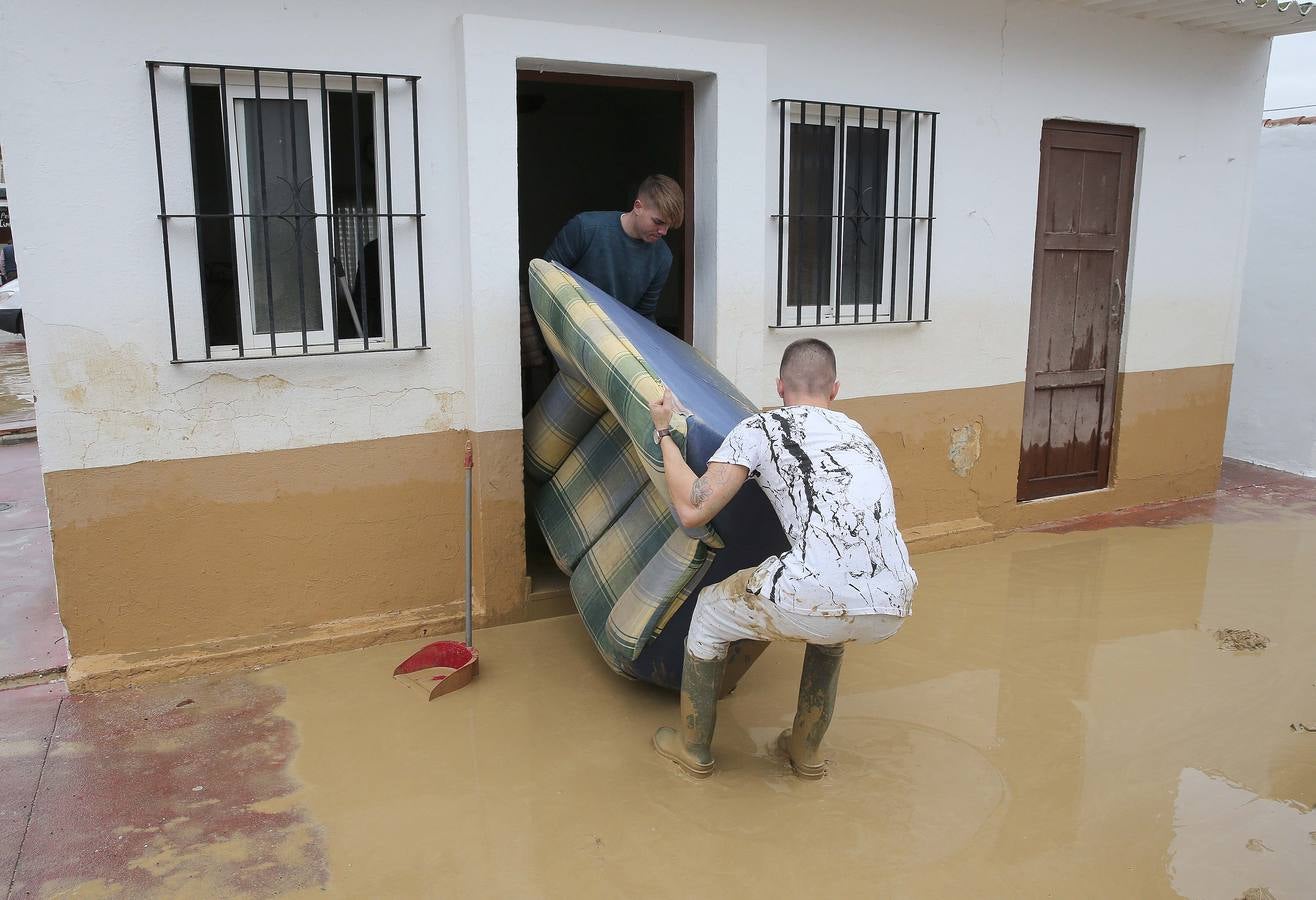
{"x": 1292, "y": 79}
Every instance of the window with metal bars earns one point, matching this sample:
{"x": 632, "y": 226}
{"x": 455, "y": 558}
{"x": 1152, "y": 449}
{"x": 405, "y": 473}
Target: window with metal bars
{"x": 854, "y": 219}
{"x": 287, "y": 234}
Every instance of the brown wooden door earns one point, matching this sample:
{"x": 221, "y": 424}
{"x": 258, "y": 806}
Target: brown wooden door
{"x": 1084, "y": 206}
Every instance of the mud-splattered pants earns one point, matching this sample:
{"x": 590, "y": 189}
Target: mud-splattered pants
{"x": 727, "y": 612}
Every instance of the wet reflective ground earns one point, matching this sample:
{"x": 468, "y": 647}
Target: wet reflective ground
{"x": 1057, "y": 719}
{"x": 15, "y": 386}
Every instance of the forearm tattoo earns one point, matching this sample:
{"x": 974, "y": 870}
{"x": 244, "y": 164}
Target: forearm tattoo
{"x": 702, "y": 489}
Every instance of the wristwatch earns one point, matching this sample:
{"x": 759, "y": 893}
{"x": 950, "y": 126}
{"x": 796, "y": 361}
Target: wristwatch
{"x": 660, "y": 433}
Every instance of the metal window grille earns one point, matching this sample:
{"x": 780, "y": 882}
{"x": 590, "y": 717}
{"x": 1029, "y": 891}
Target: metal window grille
{"x": 854, "y": 214}
{"x": 295, "y": 228}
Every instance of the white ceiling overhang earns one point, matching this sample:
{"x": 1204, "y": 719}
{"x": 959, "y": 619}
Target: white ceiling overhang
{"x": 1259, "y": 18}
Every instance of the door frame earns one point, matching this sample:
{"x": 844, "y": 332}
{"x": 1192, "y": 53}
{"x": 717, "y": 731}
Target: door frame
{"x": 1029, "y": 489}
{"x": 686, "y": 177}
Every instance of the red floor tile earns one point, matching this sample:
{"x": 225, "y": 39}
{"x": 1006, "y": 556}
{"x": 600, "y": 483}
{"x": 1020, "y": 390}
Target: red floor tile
{"x": 168, "y": 790}
{"x": 1247, "y": 493}
{"x": 28, "y": 717}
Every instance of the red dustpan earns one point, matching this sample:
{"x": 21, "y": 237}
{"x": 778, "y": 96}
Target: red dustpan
{"x": 443, "y": 666}
{"x": 439, "y": 668}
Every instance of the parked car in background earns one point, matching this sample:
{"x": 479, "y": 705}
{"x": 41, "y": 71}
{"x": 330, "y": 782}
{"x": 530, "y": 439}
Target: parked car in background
{"x": 11, "y": 308}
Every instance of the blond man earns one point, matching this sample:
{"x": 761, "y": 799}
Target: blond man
{"x": 624, "y": 252}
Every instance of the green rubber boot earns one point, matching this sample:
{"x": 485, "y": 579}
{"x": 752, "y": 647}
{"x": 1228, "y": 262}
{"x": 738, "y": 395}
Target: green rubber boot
{"x": 801, "y": 743}
{"x": 691, "y": 749}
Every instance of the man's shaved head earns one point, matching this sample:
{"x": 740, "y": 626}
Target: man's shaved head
{"x": 809, "y": 367}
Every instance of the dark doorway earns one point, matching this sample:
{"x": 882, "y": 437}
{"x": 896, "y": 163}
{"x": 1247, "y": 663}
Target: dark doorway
{"x": 585, "y": 142}
{"x": 1084, "y": 210}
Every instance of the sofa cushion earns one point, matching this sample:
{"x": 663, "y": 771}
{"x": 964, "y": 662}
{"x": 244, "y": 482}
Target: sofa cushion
{"x": 595, "y": 483}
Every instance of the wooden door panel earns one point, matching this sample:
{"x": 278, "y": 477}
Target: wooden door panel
{"x": 1073, "y": 423}
{"x": 1037, "y": 426}
{"x": 1061, "y": 272}
{"x": 1073, "y": 445}
{"x": 1099, "y": 211}
{"x": 1066, "y": 192}
{"x": 1087, "y": 422}
{"x": 1060, "y": 432}
{"x": 1084, "y": 214}
{"x": 1092, "y": 316}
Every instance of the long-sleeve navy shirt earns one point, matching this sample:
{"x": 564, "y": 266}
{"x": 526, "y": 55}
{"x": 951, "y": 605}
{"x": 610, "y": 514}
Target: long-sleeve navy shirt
{"x": 596, "y": 247}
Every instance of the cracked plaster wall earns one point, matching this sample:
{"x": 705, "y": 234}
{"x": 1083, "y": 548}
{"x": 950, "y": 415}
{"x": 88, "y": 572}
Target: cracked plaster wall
{"x": 115, "y": 406}
{"x": 89, "y": 241}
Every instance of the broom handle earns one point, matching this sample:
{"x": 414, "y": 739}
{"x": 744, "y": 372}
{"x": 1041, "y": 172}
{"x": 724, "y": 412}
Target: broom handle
{"x": 470, "y": 642}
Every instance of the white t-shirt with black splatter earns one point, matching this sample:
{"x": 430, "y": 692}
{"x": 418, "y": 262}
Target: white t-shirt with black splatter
{"x": 827, "y": 481}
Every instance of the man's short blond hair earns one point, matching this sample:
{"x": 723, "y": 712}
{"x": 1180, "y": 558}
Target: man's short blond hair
{"x": 665, "y": 195}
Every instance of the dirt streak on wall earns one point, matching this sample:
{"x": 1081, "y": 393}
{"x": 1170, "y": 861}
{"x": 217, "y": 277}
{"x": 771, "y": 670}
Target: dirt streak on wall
{"x": 161, "y": 554}
{"x": 232, "y": 560}
{"x": 954, "y": 455}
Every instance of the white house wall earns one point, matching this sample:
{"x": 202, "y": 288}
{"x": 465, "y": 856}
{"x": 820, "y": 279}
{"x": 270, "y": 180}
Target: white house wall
{"x": 232, "y": 512}
{"x": 83, "y": 183}
{"x": 1272, "y": 409}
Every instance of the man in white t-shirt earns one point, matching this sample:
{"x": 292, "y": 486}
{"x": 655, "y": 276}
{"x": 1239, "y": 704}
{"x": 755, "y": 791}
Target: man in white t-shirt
{"x": 845, "y": 578}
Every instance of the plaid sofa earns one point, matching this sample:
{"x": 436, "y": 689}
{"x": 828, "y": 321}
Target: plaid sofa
{"x": 599, "y": 494}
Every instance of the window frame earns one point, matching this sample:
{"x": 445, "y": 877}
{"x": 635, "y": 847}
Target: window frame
{"x": 906, "y": 145}
{"x": 238, "y": 84}
{"x": 239, "y": 171}
{"x": 812, "y": 312}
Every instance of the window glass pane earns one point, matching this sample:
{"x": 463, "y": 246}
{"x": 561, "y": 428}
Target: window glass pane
{"x": 813, "y": 169}
{"x": 356, "y": 230}
{"x": 216, "y": 251}
{"x": 863, "y": 233}
{"x": 284, "y": 255}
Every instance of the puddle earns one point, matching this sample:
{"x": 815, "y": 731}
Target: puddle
{"x": 16, "y": 397}
{"x": 1056, "y": 712}
{"x": 1231, "y": 842}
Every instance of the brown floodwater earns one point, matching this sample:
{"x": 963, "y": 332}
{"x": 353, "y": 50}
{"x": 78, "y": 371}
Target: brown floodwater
{"x": 16, "y": 398}
{"x": 1057, "y": 719}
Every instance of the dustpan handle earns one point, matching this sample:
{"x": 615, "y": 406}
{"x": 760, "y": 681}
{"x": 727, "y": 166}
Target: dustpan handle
{"x": 469, "y": 463}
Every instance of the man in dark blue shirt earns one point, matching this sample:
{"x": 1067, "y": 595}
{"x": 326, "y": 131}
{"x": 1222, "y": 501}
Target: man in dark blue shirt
{"x": 624, "y": 253}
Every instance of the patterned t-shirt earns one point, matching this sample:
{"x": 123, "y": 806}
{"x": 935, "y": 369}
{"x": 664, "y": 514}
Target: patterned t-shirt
{"x": 827, "y": 481}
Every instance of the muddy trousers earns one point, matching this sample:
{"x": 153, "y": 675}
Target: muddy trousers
{"x": 727, "y": 612}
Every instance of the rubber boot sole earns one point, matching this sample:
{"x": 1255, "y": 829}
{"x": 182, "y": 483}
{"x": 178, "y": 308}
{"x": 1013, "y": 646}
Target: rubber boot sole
{"x": 808, "y": 773}
{"x": 694, "y": 770}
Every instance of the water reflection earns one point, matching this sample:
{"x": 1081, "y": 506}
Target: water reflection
{"x": 1228, "y": 840}
{"x": 1028, "y": 731}
{"x": 16, "y": 398}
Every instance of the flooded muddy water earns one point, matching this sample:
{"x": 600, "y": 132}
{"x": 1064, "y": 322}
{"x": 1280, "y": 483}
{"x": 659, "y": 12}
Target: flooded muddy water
{"x": 1058, "y": 719}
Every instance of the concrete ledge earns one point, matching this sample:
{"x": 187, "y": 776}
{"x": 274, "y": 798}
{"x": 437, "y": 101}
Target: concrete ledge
{"x": 945, "y": 535}
{"x": 108, "y": 671}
